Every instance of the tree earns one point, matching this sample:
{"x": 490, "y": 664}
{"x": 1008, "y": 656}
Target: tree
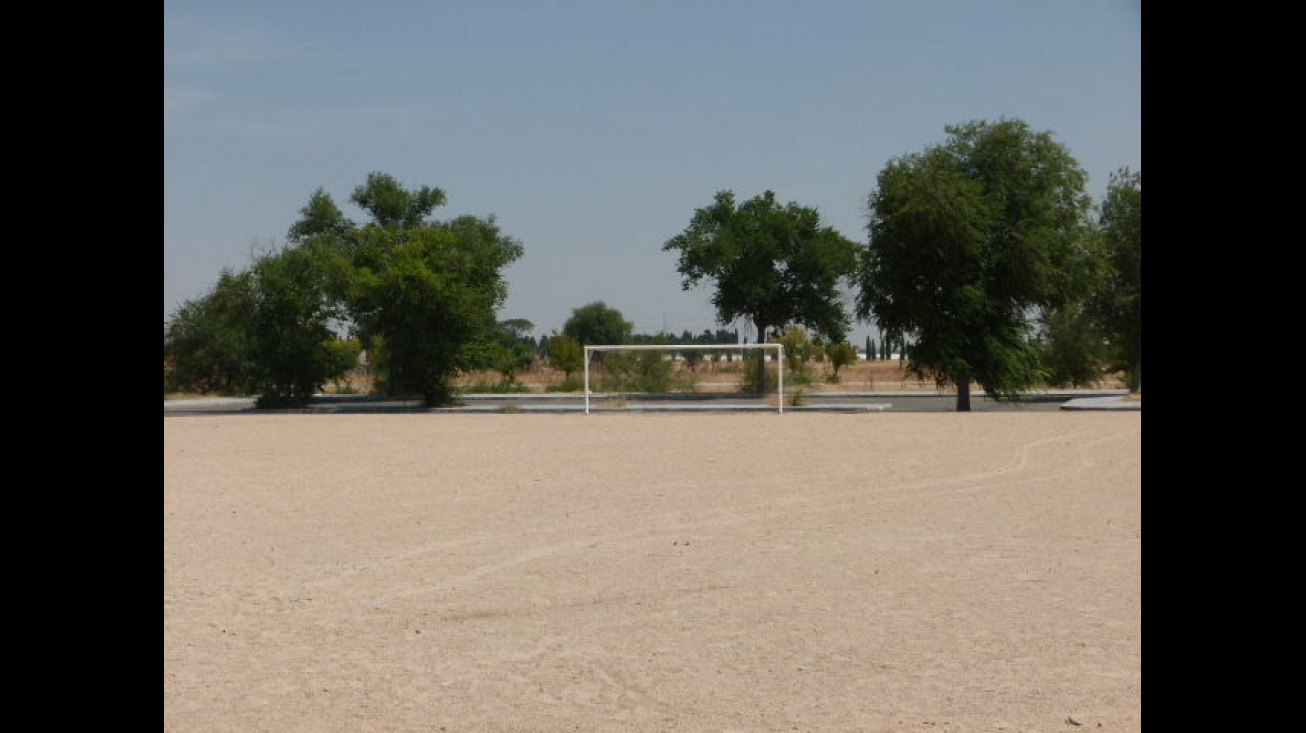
{"x": 1073, "y": 348}
{"x": 320, "y": 216}
{"x": 775, "y": 265}
{"x": 567, "y": 354}
{"x": 344, "y": 355}
{"x": 1117, "y": 306}
{"x": 207, "y": 345}
{"x": 292, "y": 331}
{"x": 841, "y": 355}
{"x": 513, "y": 349}
{"x": 422, "y": 293}
{"x": 596, "y": 323}
{"x": 266, "y": 330}
{"x": 800, "y": 349}
{"x": 394, "y": 207}
{"x": 967, "y": 241}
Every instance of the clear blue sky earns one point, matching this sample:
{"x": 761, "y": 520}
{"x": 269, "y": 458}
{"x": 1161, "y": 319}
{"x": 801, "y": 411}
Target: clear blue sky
{"x": 592, "y": 130}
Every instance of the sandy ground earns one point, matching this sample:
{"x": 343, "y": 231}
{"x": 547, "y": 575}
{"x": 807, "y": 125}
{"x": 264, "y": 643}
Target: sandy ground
{"x": 653, "y": 572}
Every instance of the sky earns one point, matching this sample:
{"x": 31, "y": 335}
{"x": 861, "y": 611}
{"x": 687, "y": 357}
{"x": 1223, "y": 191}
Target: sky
{"x": 591, "y": 130}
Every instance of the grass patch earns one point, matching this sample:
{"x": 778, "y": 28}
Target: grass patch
{"x": 570, "y": 384}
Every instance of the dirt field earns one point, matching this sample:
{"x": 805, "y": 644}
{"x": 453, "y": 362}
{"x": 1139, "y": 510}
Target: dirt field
{"x": 653, "y": 572}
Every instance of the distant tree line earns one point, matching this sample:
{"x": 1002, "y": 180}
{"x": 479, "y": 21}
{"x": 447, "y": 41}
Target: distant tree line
{"x": 985, "y": 263}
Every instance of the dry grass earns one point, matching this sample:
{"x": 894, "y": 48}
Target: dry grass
{"x": 864, "y": 376}
{"x": 189, "y": 396}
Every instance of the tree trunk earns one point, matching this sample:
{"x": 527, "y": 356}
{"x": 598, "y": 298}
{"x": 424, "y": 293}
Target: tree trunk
{"x": 759, "y": 385}
{"x": 963, "y": 396}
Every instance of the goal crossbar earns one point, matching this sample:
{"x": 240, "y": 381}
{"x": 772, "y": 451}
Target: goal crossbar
{"x": 779, "y": 348}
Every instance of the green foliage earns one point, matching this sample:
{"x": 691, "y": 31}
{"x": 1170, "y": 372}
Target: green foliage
{"x": 264, "y": 331}
{"x": 379, "y": 355}
{"x": 566, "y": 354}
{"x": 319, "y": 217}
{"x": 748, "y": 375}
{"x": 513, "y": 349}
{"x": 420, "y": 295}
{"x": 500, "y": 386}
{"x": 642, "y": 371}
{"x": 595, "y": 323}
{"x": 841, "y": 355}
{"x": 1116, "y": 307}
{"x": 1073, "y": 352}
{"x": 967, "y": 239}
{"x": 570, "y": 384}
{"x": 510, "y": 351}
{"x": 800, "y": 351}
{"x": 293, "y": 338}
{"x": 426, "y": 289}
{"x": 343, "y": 353}
{"x": 208, "y": 347}
{"x": 394, "y": 207}
{"x": 773, "y": 264}
{"x": 509, "y": 361}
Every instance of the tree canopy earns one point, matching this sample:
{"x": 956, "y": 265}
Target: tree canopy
{"x": 566, "y": 353}
{"x": 596, "y": 323}
{"x": 421, "y": 295}
{"x": 207, "y": 344}
{"x": 981, "y": 265}
{"x": 773, "y": 264}
{"x": 267, "y": 330}
{"x": 1116, "y": 306}
{"x": 967, "y": 240}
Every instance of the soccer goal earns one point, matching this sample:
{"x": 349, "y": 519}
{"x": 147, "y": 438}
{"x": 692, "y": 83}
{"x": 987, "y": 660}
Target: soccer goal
{"x": 672, "y": 348}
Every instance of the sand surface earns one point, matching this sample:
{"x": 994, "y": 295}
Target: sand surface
{"x": 653, "y": 572}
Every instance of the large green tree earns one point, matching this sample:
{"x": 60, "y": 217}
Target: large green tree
{"x": 293, "y": 329}
{"x": 968, "y": 241}
{"x": 208, "y": 346}
{"x": 773, "y": 264}
{"x": 421, "y": 295}
{"x": 1117, "y": 304}
{"x": 268, "y": 330}
{"x": 422, "y": 292}
{"x": 596, "y": 323}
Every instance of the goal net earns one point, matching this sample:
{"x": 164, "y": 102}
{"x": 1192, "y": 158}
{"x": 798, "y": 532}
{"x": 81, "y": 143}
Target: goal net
{"x": 673, "y": 349}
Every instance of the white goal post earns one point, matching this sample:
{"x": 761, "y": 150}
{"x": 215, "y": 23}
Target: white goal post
{"x": 779, "y": 348}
